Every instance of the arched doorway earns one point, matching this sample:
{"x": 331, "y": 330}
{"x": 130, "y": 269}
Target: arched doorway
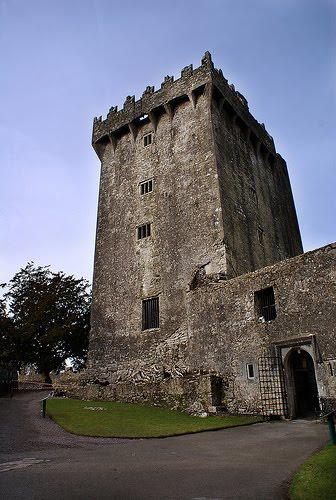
{"x": 302, "y": 388}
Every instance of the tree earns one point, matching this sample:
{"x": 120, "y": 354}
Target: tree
{"x": 50, "y": 318}
{"x": 7, "y": 338}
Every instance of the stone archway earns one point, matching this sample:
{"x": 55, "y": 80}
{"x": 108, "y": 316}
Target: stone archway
{"x": 301, "y": 383}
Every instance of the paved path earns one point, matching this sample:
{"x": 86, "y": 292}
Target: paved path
{"x": 40, "y": 461}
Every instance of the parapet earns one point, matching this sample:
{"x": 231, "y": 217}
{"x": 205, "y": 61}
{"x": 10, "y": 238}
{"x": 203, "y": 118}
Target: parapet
{"x": 191, "y": 84}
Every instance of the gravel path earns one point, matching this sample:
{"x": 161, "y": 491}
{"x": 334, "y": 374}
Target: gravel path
{"x": 24, "y": 430}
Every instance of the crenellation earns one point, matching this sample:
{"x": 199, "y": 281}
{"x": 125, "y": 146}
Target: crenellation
{"x": 207, "y": 60}
{"x": 129, "y": 104}
{"x": 187, "y": 71}
{"x": 148, "y": 90}
{"x": 169, "y": 88}
{"x": 112, "y": 111}
{"x": 168, "y": 80}
{"x": 242, "y": 99}
{"x": 220, "y": 72}
{"x": 172, "y": 91}
{"x": 239, "y": 105}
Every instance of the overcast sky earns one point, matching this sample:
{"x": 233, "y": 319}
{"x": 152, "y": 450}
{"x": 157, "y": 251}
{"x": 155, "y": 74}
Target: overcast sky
{"x": 62, "y": 62}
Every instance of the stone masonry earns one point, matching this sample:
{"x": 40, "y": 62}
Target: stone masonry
{"x": 195, "y": 211}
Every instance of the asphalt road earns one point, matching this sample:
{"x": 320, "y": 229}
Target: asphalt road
{"x": 38, "y": 460}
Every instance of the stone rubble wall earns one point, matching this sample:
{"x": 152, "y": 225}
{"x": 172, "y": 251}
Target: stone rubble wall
{"x": 224, "y": 334}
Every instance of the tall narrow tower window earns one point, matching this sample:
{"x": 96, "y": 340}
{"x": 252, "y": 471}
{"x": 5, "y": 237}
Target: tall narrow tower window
{"x": 143, "y": 231}
{"x": 147, "y": 139}
{"x": 250, "y": 371}
{"x": 260, "y": 235}
{"x": 150, "y": 313}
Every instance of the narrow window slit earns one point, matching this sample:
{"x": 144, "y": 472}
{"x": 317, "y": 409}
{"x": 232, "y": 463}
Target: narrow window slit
{"x": 147, "y": 139}
{"x": 250, "y": 371}
{"x": 260, "y": 235}
{"x": 143, "y": 231}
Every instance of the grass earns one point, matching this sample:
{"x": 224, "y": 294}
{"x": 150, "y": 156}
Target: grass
{"x": 316, "y": 480}
{"x": 105, "y": 419}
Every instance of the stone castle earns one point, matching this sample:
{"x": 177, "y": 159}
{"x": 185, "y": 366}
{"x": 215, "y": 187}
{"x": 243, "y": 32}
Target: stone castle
{"x": 202, "y": 297}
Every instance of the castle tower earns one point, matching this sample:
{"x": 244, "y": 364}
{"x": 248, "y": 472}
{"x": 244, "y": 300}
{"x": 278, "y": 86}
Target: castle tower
{"x": 191, "y": 189}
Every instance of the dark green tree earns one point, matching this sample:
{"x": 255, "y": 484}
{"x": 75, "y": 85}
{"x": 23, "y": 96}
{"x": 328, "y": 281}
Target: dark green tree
{"x": 7, "y": 337}
{"x": 50, "y": 318}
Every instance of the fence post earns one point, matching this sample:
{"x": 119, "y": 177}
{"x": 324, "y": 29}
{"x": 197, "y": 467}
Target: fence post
{"x": 44, "y": 406}
{"x": 331, "y": 425}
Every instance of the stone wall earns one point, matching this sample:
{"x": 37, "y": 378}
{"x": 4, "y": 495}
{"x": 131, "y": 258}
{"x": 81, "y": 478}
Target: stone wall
{"x": 260, "y": 226}
{"x": 191, "y": 392}
{"x": 192, "y": 194}
{"x": 183, "y": 210}
{"x": 226, "y": 333}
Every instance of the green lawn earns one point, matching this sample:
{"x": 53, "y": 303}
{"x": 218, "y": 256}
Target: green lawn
{"x": 105, "y": 419}
{"x": 316, "y": 480}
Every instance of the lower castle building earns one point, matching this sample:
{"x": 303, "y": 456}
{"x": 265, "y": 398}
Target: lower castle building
{"x": 202, "y": 297}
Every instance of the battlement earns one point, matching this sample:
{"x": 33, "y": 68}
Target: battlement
{"x": 205, "y": 79}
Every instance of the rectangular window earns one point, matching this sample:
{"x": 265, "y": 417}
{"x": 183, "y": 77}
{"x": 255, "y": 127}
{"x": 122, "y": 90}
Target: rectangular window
{"x": 260, "y": 235}
{"x": 147, "y": 139}
{"x": 146, "y": 187}
{"x": 143, "y": 231}
{"x": 250, "y": 371}
{"x": 265, "y": 304}
{"x": 150, "y": 313}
